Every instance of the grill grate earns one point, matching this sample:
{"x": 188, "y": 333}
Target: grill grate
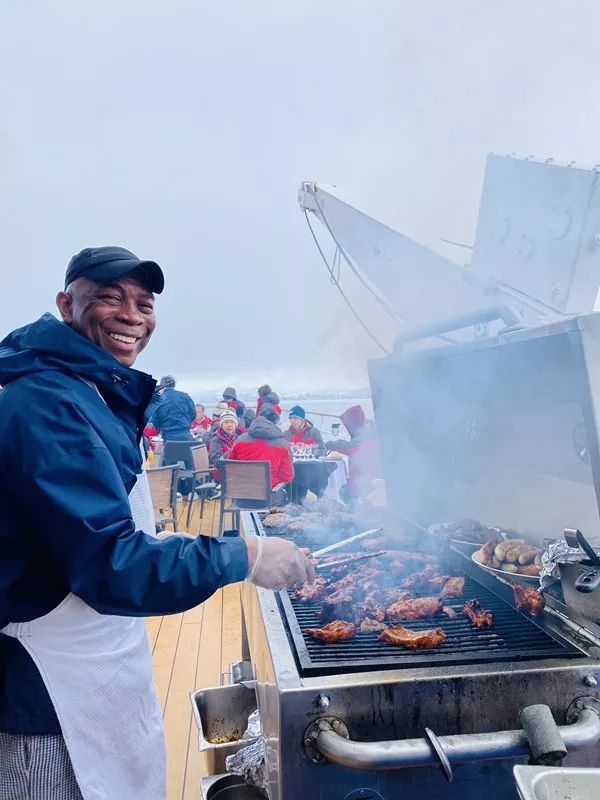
{"x": 513, "y": 637}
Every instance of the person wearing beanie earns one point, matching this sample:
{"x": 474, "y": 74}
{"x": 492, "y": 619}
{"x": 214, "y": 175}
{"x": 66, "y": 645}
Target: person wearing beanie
{"x": 264, "y": 442}
{"x": 223, "y": 440}
{"x": 230, "y": 397}
{"x": 313, "y": 477}
{"x": 301, "y": 431}
{"x": 364, "y": 463}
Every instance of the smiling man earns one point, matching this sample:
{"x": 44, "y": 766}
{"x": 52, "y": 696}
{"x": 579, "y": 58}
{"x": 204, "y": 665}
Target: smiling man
{"x": 79, "y": 562}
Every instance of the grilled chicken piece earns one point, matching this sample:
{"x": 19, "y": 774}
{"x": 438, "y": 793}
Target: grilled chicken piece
{"x": 369, "y": 625}
{"x": 478, "y": 615}
{"x": 277, "y": 519}
{"x": 335, "y": 631}
{"x": 454, "y": 587}
{"x": 414, "y": 609}
{"x": 413, "y": 640}
{"x": 438, "y": 582}
{"x": 311, "y": 592}
{"x": 420, "y": 579}
{"x": 528, "y": 599}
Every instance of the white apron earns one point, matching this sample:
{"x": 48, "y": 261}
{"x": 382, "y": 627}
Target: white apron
{"x": 98, "y": 672}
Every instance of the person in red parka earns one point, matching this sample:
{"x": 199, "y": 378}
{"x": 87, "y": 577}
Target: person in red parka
{"x": 362, "y": 451}
{"x": 264, "y": 442}
{"x": 223, "y": 440}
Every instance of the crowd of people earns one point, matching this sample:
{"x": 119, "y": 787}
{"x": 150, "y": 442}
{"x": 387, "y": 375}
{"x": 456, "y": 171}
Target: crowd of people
{"x": 237, "y": 432}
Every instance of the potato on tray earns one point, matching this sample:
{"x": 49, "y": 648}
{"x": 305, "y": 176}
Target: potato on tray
{"x": 512, "y": 555}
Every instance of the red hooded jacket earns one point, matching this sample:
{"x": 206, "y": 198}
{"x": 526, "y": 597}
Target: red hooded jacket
{"x": 264, "y": 442}
{"x": 364, "y": 462}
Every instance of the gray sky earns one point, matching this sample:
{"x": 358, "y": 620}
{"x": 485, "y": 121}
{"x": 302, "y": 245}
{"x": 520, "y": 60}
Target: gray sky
{"x": 183, "y": 129}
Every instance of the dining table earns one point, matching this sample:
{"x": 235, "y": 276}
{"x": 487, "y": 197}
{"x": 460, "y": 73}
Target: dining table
{"x": 316, "y": 474}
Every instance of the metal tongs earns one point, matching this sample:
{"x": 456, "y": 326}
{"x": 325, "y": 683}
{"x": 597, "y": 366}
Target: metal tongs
{"x": 589, "y": 579}
{"x": 330, "y": 548}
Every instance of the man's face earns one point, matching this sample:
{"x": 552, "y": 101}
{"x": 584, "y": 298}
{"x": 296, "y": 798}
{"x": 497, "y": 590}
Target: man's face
{"x": 119, "y": 317}
{"x": 229, "y": 426}
{"x": 296, "y": 423}
{"x": 199, "y": 412}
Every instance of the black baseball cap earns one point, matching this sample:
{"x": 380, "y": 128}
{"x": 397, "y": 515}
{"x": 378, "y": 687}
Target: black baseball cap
{"x": 106, "y": 264}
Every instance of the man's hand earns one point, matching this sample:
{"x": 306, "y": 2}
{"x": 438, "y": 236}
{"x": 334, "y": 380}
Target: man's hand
{"x": 277, "y": 563}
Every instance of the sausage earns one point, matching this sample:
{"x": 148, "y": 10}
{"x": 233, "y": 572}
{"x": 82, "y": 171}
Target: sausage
{"x": 527, "y": 556}
{"x": 508, "y": 568}
{"x": 530, "y": 569}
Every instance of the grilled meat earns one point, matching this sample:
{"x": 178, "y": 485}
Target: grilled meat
{"x": 479, "y": 617}
{"x": 335, "y": 631}
{"x": 276, "y": 520}
{"x": 420, "y": 580}
{"x": 414, "y": 609}
{"x": 297, "y": 525}
{"x": 454, "y": 587}
{"x": 311, "y": 592}
{"x": 449, "y": 612}
{"x": 369, "y": 625}
{"x": 528, "y": 599}
{"x": 413, "y": 640}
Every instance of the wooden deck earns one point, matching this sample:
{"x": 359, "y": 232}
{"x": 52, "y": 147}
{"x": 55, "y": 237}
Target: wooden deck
{"x": 191, "y": 651}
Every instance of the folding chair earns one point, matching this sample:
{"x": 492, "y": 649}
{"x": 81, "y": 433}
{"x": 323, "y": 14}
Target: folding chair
{"x": 163, "y": 490}
{"x": 243, "y": 480}
{"x": 202, "y": 483}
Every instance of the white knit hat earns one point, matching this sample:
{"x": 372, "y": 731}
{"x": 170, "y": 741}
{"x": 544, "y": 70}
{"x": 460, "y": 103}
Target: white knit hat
{"x": 228, "y": 415}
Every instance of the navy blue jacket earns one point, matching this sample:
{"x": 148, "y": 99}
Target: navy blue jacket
{"x": 174, "y": 414}
{"x": 68, "y": 459}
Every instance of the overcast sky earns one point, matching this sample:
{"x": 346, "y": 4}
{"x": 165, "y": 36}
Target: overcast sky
{"x": 183, "y": 129}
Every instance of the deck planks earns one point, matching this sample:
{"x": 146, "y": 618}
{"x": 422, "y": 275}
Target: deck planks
{"x": 190, "y": 651}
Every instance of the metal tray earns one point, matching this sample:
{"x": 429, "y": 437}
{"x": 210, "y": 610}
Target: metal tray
{"x": 557, "y": 783}
{"x": 439, "y": 528}
{"x": 222, "y": 712}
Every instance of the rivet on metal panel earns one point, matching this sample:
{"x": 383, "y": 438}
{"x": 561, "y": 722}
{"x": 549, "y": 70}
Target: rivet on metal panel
{"x": 323, "y": 701}
{"x": 590, "y": 680}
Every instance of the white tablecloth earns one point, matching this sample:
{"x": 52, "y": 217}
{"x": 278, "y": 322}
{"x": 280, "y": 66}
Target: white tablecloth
{"x": 337, "y": 479}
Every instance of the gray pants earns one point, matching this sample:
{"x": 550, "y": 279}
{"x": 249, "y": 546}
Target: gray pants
{"x": 36, "y": 768}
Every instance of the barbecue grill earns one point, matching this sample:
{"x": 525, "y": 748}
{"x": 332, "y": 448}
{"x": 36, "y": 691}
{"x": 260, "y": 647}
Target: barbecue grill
{"x": 362, "y": 719}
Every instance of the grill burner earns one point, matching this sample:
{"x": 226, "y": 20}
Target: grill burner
{"x": 512, "y": 637}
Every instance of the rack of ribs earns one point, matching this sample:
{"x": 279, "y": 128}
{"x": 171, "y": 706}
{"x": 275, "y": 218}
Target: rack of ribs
{"x": 413, "y": 640}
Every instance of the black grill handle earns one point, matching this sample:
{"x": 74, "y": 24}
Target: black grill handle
{"x": 545, "y": 742}
{"x": 411, "y": 753}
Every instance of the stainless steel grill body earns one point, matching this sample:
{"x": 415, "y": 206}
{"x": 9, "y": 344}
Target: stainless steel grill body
{"x": 380, "y": 705}
{"x": 505, "y": 430}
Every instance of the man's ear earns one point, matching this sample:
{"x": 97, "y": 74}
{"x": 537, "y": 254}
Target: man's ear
{"x": 64, "y": 302}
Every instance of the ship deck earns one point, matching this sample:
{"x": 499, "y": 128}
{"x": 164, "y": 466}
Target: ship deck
{"x": 191, "y": 651}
